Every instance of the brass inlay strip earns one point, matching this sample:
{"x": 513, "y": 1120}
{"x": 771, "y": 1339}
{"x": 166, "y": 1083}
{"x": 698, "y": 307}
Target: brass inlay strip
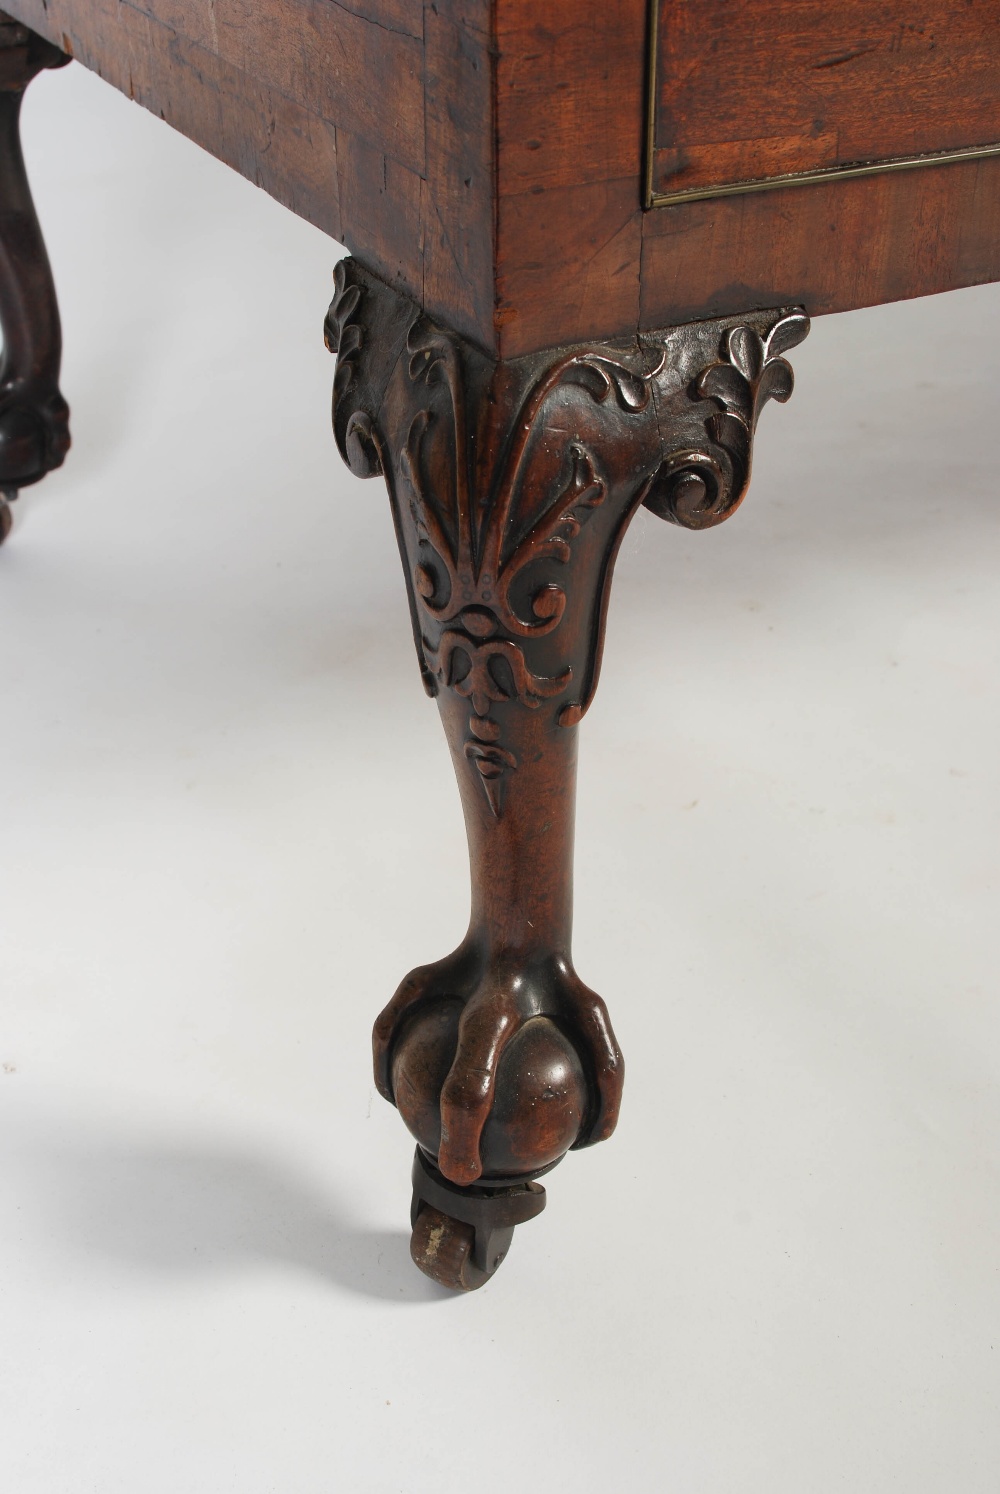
{"x": 819, "y": 174}
{"x": 652, "y": 44}
{"x": 656, "y": 199}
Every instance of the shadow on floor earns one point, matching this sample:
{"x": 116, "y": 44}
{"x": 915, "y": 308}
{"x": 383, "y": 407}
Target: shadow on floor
{"x": 182, "y": 1208}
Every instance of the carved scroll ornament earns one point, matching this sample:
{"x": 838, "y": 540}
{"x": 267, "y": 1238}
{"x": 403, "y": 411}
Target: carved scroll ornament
{"x": 512, "y": 483}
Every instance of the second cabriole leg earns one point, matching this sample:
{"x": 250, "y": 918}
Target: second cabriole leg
{"x": 34, "y": 417}
{"x": 511, "y": 486}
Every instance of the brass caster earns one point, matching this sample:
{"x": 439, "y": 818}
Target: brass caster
{"x": 461, "y": 1236}
{"x": 442, "y": 1248}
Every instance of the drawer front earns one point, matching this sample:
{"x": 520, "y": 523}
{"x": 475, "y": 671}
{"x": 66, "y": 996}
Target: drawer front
{"x": 744, "y": 94}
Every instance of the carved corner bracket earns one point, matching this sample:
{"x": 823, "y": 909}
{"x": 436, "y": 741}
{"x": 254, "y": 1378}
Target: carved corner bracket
{"x": 512, "y": 483}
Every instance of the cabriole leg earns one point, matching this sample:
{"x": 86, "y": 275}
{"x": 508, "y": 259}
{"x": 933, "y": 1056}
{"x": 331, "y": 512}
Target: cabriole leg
{"x": 511, "y": 486}
{"x": 34, "y": 417}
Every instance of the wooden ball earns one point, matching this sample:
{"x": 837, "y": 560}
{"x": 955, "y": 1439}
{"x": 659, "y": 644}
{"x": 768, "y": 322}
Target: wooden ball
{"x": 539, "y": 1101}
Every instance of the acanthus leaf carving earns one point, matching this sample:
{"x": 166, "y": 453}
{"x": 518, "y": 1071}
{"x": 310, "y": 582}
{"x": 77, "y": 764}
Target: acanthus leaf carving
{"x": 700, "y": 487}
{"x": 512, "y": 485}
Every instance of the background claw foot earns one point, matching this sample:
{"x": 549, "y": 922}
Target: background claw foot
{"x": 34, "y": 440}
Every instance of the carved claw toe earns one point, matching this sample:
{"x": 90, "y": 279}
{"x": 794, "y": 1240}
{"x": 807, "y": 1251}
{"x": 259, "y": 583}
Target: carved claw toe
{"x": 587, "y": 1015}
{"x": 443, "y": 978}
{"x": 408, "y": 996}
{"x": 489, "y": 1021}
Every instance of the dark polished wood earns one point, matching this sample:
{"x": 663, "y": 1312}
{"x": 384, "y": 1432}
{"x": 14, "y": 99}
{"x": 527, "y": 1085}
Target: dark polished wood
{"x": 511, "y": 486}
{"x": 532, "y": 192}
{"x": 34, "y": 417}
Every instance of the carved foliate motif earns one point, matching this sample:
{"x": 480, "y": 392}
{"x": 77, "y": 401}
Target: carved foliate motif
{"x": 512, "y": 483}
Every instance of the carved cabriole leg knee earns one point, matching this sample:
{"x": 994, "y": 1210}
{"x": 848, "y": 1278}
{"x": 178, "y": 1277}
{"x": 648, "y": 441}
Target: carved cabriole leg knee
{"x": 511, "y": 486}
{"x": 34, "y": 417}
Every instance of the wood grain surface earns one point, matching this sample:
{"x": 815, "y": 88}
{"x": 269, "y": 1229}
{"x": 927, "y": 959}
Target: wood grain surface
{"x": 803, "y": 84}
{"x": 576, "y": 251}
{"x": 366, "y": 117}
{"x": 487, "y": 157}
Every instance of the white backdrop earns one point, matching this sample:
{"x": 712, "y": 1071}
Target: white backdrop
{"x": 228, "y": 827}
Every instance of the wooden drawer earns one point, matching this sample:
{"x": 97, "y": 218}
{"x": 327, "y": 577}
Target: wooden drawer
{"x": 744, "y": 94}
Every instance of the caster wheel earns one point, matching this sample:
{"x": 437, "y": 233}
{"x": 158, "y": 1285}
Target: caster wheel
{"x": 6, "y": 518}
{"x": 461, "y": 1236}
{"x": 442, "y": 1248}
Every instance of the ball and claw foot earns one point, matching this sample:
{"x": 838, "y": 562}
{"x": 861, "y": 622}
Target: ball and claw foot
{"x": 497, "y": 1009}
{"x": 461, "y": 1236}
{"x": 34, "y": 440}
